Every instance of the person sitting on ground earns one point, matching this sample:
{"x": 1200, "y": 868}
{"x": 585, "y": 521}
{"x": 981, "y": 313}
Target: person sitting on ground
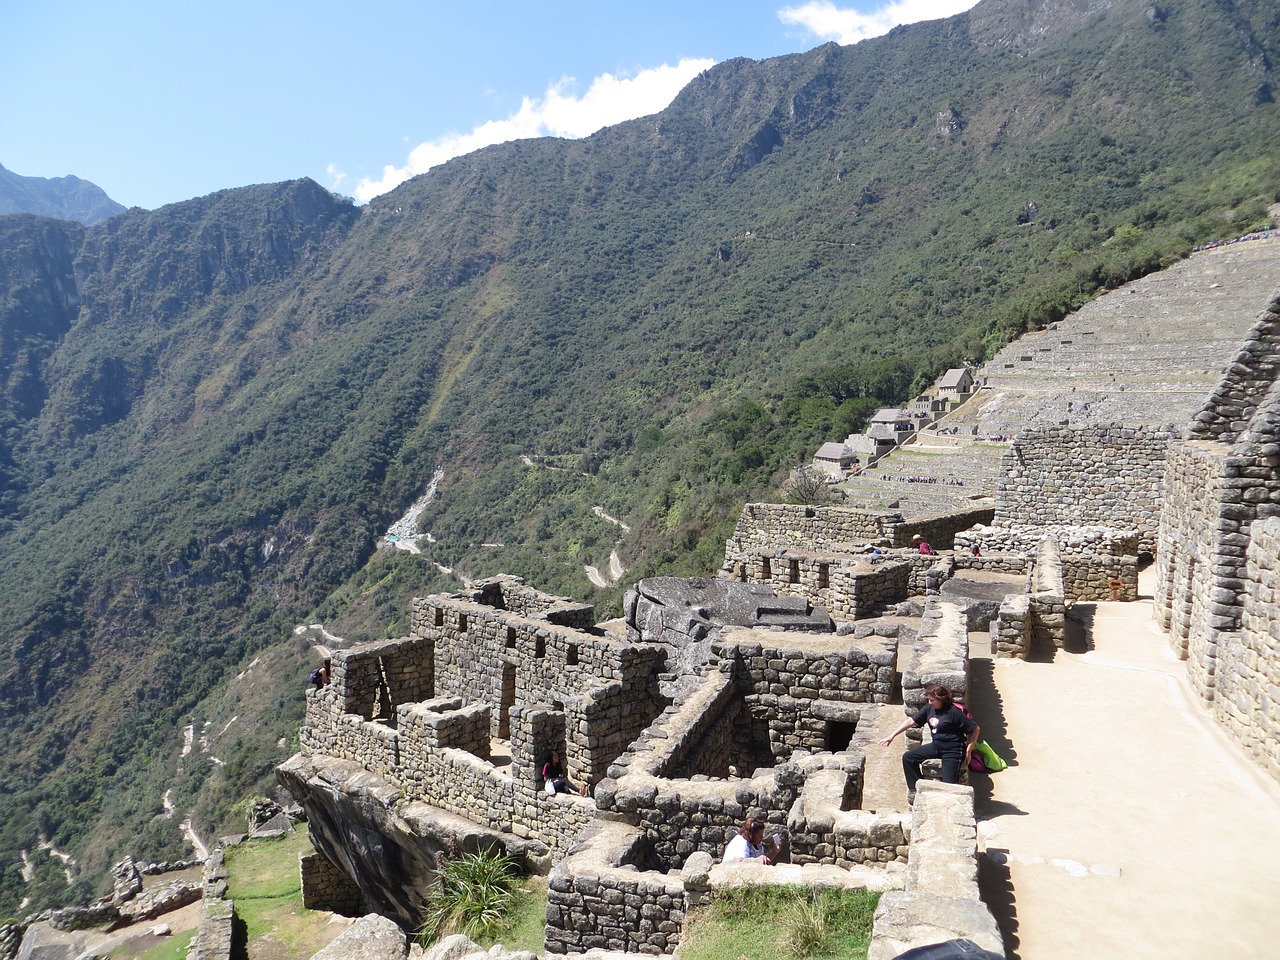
{"x": 954, "y": 734}
{"x": 748, "y": 843}
{"x": 922, "y": 544}
{"x": 554, "y": 778}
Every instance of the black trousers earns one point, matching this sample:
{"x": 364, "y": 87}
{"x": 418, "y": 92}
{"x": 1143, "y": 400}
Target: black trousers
{"x": 952, "y": 760}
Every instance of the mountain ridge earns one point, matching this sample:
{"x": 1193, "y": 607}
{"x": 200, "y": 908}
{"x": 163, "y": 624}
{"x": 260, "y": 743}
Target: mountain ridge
{"x": 66, "y": 198}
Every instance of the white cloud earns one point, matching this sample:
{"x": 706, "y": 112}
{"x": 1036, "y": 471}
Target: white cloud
{"x": 558, "y": 113}
{"x": 830, "y": 22}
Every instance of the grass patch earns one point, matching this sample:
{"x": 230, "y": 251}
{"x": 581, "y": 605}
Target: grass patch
{"x": 174, "y": 948}
{"x": 527, "y": 923}
{"x": 787, "y": 921}
{"x": 264, "y": 881}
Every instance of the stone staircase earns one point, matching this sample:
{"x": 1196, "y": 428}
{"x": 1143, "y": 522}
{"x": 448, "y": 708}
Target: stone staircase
{"x": 1149, "y": 353}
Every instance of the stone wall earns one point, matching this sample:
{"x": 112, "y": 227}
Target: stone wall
{"x": 510, "y": 593}
{"x": 600, "y": 897}
{"x": 939, "y": 655}
{"x": 1048, "y": 605}
{"x": 1195, "y": 597}
{"x": 326, "y": 887}
{"x": 1109, "y": 476}
{"x": 1011, "y": 629}
{"x": 1222, "y": 480}
{"x": 941, "y": 900}
{"x": 843, "y": 529}
{"x": 494, "y": 656}
{"x": 848, "y": 587}
{"x": 11, "y": 934}
{"x": 217, "y": 914}
{"x": 1247, "y": 703}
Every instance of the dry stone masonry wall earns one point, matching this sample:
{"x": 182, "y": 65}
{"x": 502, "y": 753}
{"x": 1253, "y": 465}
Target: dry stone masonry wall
{"x": 1247, "y": 703}
{"x": 1108, "y": 476}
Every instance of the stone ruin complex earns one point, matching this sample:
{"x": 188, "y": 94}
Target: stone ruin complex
{"x": 753, "y": 694}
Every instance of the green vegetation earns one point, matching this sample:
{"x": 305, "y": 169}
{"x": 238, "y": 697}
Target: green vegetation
{"x": 172, "y": 948}
{"x": 210, "y": 412}
{"x": 475, "y": 894}
{"x": 263, "y": 881}
{"x": 793, "y": 922}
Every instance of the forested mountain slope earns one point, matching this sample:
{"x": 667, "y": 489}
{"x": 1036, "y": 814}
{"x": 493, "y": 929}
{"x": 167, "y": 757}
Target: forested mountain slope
{"x": 210, "y": 411}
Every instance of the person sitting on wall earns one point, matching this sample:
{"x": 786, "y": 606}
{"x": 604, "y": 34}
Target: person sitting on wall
{"x": 320, "y": 675}
{"x": 922, "y": 544}
{"x": 748, "y": 843}
{"x": 554, "y": 778}
{"x": 954, "y": 734}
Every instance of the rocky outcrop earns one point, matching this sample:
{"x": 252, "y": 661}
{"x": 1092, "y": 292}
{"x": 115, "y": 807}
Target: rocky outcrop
{"x": 388, "y": 848}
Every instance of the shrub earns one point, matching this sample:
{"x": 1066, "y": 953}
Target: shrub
{"x": 475, "y": 895}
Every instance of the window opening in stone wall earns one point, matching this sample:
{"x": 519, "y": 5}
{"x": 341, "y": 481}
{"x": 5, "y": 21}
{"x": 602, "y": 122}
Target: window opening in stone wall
{"x": 511, "y": 638}
{"x": 384, "y": 710}
{"x": 824, "y": 576}
{"x": 540, "y": 647}
{"x": 766, "y": 571}
{"x": 571, "y": 658}
{"x": 462, "y": 622}
{"x": 839, "y": 735}
{"x": 793, "y": 573}
{"x": 506, "y": 699}
{"x": 439, "y": 616}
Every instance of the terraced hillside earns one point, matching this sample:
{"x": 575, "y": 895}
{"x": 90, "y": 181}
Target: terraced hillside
{"x": 1148, "y": 353}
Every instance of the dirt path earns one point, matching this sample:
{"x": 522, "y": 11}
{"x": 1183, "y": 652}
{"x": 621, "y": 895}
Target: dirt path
{"x": 1127, "y": 824}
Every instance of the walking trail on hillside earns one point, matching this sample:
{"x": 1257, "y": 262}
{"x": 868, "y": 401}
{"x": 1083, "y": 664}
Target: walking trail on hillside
{"x": 1127, "y": 824}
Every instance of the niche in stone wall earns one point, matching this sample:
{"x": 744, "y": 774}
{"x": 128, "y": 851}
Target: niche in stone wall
{"x": 506, "y": 700}
{"x": 839, "y": 735}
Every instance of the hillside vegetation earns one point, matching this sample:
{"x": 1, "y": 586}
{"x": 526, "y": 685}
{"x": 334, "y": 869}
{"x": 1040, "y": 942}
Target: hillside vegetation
{"x": 210, "y": 412}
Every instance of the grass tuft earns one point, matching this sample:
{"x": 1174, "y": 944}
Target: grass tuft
{"x": 799, "y": 923}
{"x": 475, "y": 895}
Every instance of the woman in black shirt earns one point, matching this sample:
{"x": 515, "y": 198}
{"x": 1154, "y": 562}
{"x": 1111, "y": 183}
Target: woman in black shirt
{"x": 954, "y": 733}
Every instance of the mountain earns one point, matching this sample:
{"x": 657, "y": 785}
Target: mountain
{"x": 67, "y": 198}
{"x": 210, "y": 412}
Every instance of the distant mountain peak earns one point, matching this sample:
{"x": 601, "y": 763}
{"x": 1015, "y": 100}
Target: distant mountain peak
{"x": 66, "y": 198}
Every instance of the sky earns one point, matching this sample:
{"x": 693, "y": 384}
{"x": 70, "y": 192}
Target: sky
{"x": 158, "y": 101}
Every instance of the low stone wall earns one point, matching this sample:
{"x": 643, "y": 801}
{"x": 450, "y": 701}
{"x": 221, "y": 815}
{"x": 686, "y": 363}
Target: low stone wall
{"x": 326, "y": 887}
{"x": 941, "y": 901}
{"x": 1088, "y": 579}
{"x": 217, "y": 914}
{"x": 1011, "y": 629}
{"x": 1048, "y": 606}
{"x": 848, "y": 587}
{"x": 601, "y": 897}
{"x": 826, "y": 827}
{"x": 940, "y": 655}
{"x": 772, "y": 525}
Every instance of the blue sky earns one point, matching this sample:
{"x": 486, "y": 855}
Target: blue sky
{"x": 158, "y": 101}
